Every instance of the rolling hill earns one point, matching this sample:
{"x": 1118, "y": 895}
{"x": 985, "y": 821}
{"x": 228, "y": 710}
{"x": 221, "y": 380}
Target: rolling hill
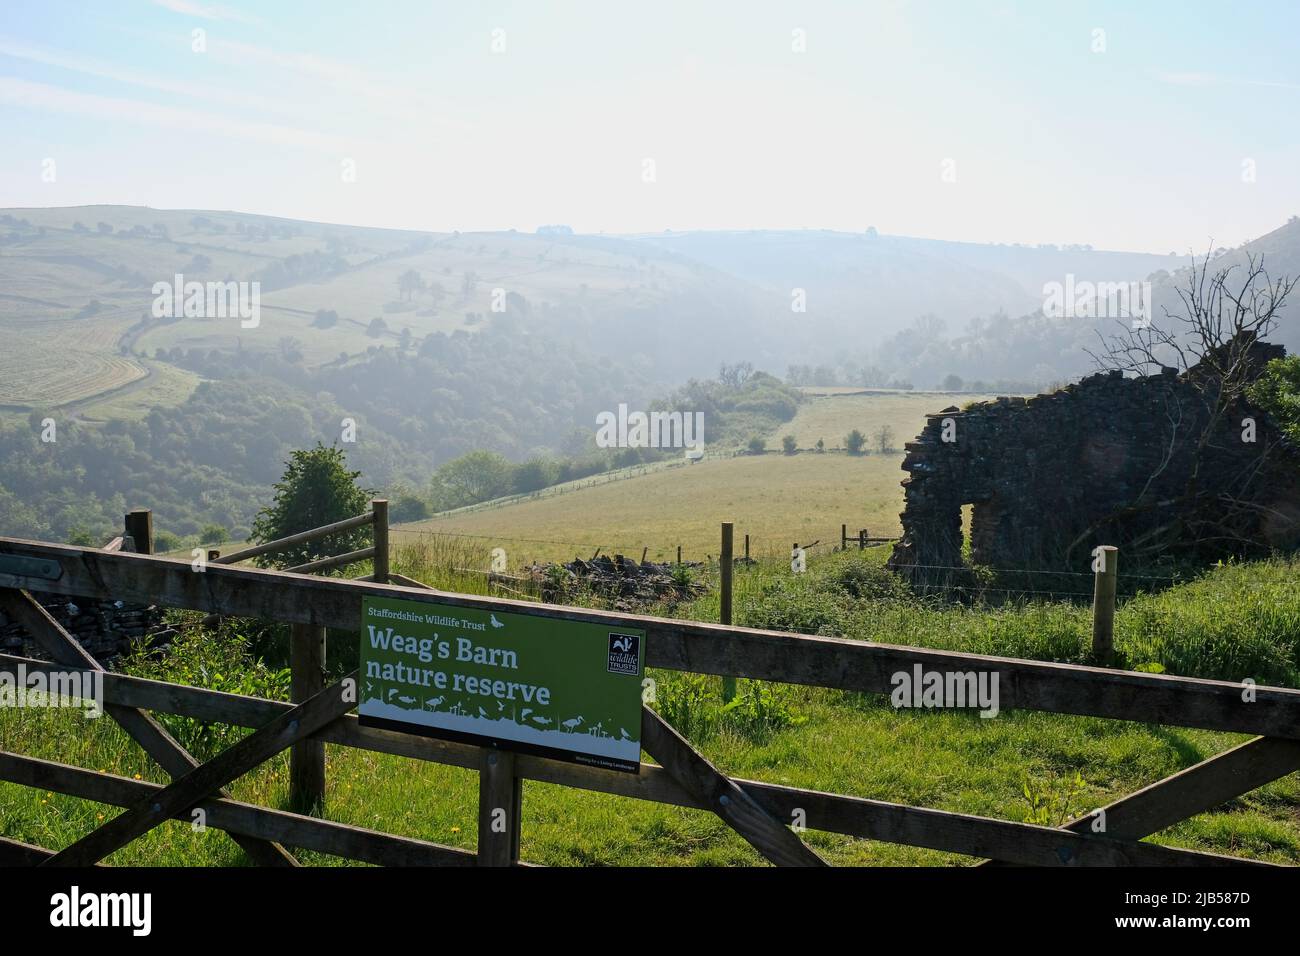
{"x": 76, "y": 291}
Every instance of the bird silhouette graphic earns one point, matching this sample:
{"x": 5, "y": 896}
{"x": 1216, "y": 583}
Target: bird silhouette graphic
{"x": 495, "y": 622}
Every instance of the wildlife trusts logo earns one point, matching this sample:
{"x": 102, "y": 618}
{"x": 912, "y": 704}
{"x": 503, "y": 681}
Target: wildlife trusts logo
{"x": 1098, "y": 300}
{"x": 624, "y": 653}
{"x": 208, "y": 300}
{"x": 624, "y": 429}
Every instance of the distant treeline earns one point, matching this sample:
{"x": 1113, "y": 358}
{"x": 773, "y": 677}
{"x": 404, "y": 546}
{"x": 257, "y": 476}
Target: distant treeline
{"x": 212, "y": 459}
{"x": 209, "y": 460}
{"x": 739, "y": 404}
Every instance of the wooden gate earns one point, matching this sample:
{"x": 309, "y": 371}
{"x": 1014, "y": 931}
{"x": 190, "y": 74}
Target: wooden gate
{"x": 759, "y": 812}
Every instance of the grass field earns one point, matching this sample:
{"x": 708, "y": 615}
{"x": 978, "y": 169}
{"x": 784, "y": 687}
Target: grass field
{"x": 825, "y": 740}
{"x": 832, "y": 416}
{"x": 166, "y": 386}
{"x": 776, "y": 499}
{"x": 62, "y": 362}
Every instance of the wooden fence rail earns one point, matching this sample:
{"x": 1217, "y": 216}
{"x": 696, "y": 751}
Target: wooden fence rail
{"x": 760, "y": 812}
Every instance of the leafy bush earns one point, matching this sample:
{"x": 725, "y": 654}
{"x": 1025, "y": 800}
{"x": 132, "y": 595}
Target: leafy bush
{"x": 165, "y": 542}
{"x": 688, "y": 702}
{"x": 797, "y": 605}
{"x": 1277, "y": 391}
{"x": 865, "y": 580}
{"x": 759, "y": 710}
{"x": 217, "y": 660}
{"x": 692, "y": 704}
{"x": 213, "y": 534}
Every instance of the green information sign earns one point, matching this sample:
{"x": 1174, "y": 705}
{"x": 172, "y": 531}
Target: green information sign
{"x": 564, "y": 689}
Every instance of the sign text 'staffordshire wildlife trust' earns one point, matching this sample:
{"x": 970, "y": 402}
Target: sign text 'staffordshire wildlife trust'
{"x": 564, "y": 689}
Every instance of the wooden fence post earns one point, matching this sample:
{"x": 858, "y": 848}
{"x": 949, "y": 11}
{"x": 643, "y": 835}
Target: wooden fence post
{"x": 1105, "y": 575}
{"x": 306, "y": 680}
{"x": 139, "y": 527}
{"x": 746, "y": 549}
{"x": 844, "y": 537}
{"x": 679, "y": 554}
{"x": 379, "y": 507}
{"x": 500, "y": 800}
{"x": 862, "y": 539}
{"x": 724, "y": 603}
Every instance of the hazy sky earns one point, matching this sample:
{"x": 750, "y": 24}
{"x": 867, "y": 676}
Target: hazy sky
{"x": 1144, "y": 145}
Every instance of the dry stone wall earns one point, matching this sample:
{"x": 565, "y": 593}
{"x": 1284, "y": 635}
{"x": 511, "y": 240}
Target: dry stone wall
{"x": 1103, "y": 461}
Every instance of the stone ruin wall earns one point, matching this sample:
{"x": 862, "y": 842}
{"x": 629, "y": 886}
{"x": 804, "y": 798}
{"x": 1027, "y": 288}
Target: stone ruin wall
{"x": 106, "y": 629}
{"x": 1040, "y": 472}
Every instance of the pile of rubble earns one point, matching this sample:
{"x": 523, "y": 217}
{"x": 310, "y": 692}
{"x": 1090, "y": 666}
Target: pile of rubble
{"x": 623, "y": 578}
{"x": 106, "y": 629}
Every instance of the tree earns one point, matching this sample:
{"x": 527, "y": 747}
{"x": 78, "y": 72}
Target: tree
{"x": 290, "y": 349}
{"x": 408, "y": 283}
{"x": 855, "y": 442}
{"x": 884, "y": 438}
{"x": 757, "y": 445}
{"x": 471, "y": 478}
{"x": 213, "y": 534}
{"x": 407, "y": 506}
{"x": 952, "y": 383}
{"x": 789, "y": 445}
{"x": 534, "y": 474}
{"x": 1212, "y": 339}
{"x": 821, "y": 445}
{"x": 317, "y": 489}
{"x": 1277, "y": 392}
{"x": 736, "y": 375}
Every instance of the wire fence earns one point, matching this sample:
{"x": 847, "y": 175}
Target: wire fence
{"x": 964, "y": 583}
{"x": 769, "y": 545}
